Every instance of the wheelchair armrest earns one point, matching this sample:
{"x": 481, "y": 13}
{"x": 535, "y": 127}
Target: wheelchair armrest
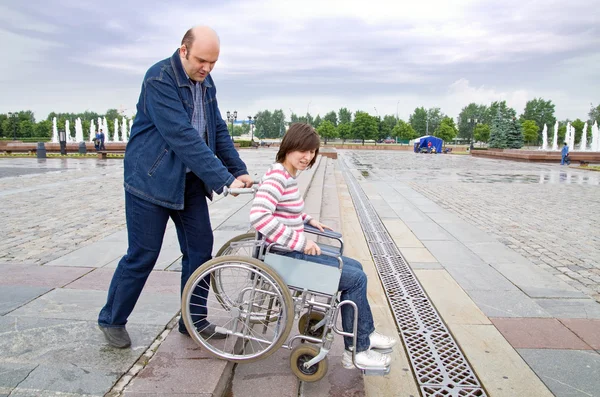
{"x": 326, "y": 250}
{"x": 327, "y": 233}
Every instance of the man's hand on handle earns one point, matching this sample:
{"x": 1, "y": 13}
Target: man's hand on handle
{"x": 246, "y": 180}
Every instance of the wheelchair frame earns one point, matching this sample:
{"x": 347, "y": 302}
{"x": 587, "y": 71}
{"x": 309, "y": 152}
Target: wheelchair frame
{"x": 319, "y": 309}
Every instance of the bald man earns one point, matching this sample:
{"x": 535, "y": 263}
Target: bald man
{"x": 179, "y": 152}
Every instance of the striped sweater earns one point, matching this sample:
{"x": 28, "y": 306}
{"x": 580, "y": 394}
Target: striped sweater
{"x": 276, "y": 212}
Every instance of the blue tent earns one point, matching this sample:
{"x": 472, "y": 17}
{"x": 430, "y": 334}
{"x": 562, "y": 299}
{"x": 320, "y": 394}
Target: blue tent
{"x": 423, "y": 142}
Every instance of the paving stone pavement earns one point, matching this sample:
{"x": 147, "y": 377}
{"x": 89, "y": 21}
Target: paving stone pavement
{"x": 544, "y": 212}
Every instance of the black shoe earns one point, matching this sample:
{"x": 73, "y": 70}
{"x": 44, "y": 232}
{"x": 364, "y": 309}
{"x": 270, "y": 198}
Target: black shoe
{"x": 116, "y": 336}
{"x": 208, "y": 332}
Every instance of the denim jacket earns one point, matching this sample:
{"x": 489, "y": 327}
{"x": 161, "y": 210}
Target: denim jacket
{"x": 163, "y": 141}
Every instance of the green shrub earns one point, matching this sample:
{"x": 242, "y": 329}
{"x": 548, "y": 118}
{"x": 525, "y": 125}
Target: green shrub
{"x": 243, "y": 143}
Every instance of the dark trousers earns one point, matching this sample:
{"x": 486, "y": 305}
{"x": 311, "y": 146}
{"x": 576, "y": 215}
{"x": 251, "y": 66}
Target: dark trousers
{"x": 146, "y": 224}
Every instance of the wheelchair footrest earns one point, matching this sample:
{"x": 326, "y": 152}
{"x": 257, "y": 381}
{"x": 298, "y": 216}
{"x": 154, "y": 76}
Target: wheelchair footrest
{"x": 384, "y": 351}
{"x": 376, "y": 371}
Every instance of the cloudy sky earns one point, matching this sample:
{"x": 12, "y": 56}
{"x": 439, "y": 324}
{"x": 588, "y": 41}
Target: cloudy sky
{"x": 378, "y": 56}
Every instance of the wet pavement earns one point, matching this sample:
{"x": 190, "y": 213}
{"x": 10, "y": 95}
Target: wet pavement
{"x": 508, "y": 252}
{"x": 544, "y": 212}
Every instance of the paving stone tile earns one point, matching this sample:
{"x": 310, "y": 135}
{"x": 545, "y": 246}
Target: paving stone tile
{"x": 61, "y": 379}
{"x": 86, "y": 304}
{"x": 11, "y": 374}
{"x": 274, "y": 371}
{"x": 577, "y": 379}
{"x": 14, "y": 296}
{"x": 452, "y": 253}
{"x": 40, "y": 276}
{"x": 94, "y": 255}
{"x": 479, "y": 277}
{"x": 499, "y": 303}
{"x": 538, "y": 333}
{"x": 166, "y": 376}
{"x": 428, "y": 230}
{"x": 571, "y": 308}
{"x": 27, "y": 340}
{"x": 537, "y": 283}
{"x": 159, "y": 282}
{"x": 419, "y": 255}
{"x": 586, "y": 329}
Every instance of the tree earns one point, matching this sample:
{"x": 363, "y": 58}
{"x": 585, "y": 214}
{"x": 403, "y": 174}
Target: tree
{"x": 435, "y": 116}
{"x": 418, "y": 120}
{"x": 403, "y": 131}
{"x": 44, "y": 129}
{"x": 112, "y": 114}
{"x": 3, "y": 118}
{"x": 344, "y": 131}
{"x": 327, "y": 130}
{"x": 446, "y": 130}
{"x": 317, "y": 121}
{"x": 269, "y": 125}
{"x": 530, "y": 131}
{"x": 514, "y": 134}
{"x": 562, "y": 132}
{"x": 332, "y": 118}
{"x": 498, "y": 131}
{"x": 578, "y": 125}
{"x": 470, "y": 112}
{"x": 364, "y": 126}
{"x": 387, "y": 126}
{"x": 344, "y": 116}
{"x": 540, "y": 111}
{"x": 482, "y": 132}
{"x": 506, "y": 113}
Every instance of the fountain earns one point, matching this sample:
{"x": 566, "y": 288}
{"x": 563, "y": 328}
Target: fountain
{"x": 68, "y": 130}
{"x": 545, "y": 137}
{"x": 595, "y": 138}
{"x": 78, "y": 130}
{"x": 106, "y": 130}
{"x": 572, "y": 138}
{"x": 555, "y": 139}
{"x": 583, "y": 143}
{"x": 54, "y": 131}
{"x": 92, "y": 131}
{"x": 124, "y": 127}
{"x": 116, "y": 130}
{"x": 130, "y": 126}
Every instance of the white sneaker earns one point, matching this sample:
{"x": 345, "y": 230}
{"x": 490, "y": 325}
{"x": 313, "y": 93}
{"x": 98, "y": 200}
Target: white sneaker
{"x": 368, "y": 359}
{"x": 380, "y": 341}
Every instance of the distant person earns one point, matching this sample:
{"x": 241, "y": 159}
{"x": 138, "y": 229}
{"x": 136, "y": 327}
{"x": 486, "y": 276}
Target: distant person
{"x": 178, "y": 153}
{"x": 97, "y": 141}
{"x": 429, "y": 146}
{"x": 564, "y": 153}
{"x": 102, "y": 137}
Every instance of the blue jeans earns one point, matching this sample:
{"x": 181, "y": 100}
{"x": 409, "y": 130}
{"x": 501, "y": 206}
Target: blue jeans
{"x": 146, "y": 224}
{"x": 353, "y": 285}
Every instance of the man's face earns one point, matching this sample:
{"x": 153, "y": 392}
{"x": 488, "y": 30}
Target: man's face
{"x": 199, "y": 60}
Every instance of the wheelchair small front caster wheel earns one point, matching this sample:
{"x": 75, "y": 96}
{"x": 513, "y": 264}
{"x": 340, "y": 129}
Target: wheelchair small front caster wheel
{"x": 307, "y": 321}
{"x": 302, "y": 354}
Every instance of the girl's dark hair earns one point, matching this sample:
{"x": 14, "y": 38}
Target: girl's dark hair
{"x": 301, "y": 137}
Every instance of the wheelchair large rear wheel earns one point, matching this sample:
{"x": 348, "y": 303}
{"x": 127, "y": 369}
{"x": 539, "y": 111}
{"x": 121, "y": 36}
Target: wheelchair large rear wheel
{"x": 258, "y": 318}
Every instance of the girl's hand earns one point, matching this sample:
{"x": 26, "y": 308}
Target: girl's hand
{"x": 318, "y": 225}
{"x": 312, "y": 248}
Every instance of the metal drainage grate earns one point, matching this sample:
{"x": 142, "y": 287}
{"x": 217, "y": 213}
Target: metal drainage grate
{"x": 439, "y": 365}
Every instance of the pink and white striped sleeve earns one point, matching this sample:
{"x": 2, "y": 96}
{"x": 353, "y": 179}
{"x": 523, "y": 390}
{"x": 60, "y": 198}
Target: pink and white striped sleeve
{"x": 268, "y": 195}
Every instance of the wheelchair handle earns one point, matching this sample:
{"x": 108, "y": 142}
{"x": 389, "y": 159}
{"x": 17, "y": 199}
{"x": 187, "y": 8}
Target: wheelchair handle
{"x": 242, "y": 190}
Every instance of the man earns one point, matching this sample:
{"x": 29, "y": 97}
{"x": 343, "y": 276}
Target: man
{"x": 179, "y": 152}
{"x": 102, "y": 137}
{"x": 564, "y": 152}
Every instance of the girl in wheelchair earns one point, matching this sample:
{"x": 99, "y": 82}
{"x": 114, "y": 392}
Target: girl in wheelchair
{"x": 277, "y": 213}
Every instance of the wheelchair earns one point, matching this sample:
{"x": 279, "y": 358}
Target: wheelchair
{"x": 255, "y": 294}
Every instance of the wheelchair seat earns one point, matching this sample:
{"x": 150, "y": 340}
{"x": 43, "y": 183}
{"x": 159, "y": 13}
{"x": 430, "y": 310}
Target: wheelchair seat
{"x": 305, "y": 275}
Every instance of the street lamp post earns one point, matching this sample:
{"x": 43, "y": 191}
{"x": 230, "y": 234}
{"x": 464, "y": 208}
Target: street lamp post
{"x": 472, "y": 122}
{"x": 231, "y": 117}
{"x": 252, "y": 122}
{"x": 12, "y": 115}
